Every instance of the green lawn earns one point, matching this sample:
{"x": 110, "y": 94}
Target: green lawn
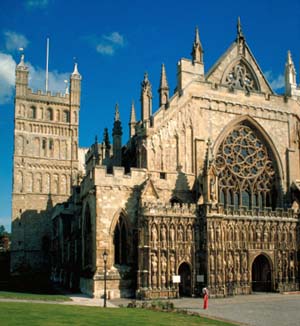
{"x": 30, "y": 296}
{"x": 37, "y": 314}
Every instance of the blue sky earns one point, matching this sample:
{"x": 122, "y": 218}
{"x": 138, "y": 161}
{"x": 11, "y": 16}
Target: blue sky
{"x": 115, "y": 42}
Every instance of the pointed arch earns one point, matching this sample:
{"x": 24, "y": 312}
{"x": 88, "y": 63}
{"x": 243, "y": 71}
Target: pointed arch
{"x": 252, "y": 123}
{"x": 262, "y": 272}
{"x": 240, "y": 67}
{"x": 120, "y": 235}
{"x": 244, "y": 154}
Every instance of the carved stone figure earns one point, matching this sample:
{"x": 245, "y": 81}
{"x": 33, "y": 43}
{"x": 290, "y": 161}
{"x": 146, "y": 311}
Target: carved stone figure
{"x": 219, "y": 263}
{"x": 180, "y": 233}
{"x": 211, "y": 234}
{"x": 212, "y": 262}
{"x": 218, "y": 235}
{"x": 172, "y": 264}
{"x": 237, "y": 262}
{"x": 244, "y": 262}
{"x": 172, "y": 236}
{"x": 189, "y": 234}
{"x": 163, "y": 236}
{"x": 154, "y": 269}
{"x": 163, "y": 261}
{"x": 154, "y": 236}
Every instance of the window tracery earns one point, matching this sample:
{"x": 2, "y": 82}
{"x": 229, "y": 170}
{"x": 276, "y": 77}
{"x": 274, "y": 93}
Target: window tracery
{"x": 240, "y": 77}
{"x": 246, "y": 171}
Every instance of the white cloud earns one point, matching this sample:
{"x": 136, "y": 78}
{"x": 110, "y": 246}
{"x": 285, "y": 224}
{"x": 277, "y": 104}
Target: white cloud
{"x": 105, "y": 49}
{"x": 36, "y": 78}
{"x": 276, "y": 82}
{"x": 7, "y": 77}
{"x": 107, "y": 44}
{"x": 56, "y": 80}
{"x": 14, "y": 41}
{"x": 36, "y": 4}
{"x": 115, "y": 38}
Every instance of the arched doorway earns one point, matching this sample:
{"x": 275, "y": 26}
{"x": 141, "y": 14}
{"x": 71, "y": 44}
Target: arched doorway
{"x": 261, "y": 274}
{"x": 185, "y": 285}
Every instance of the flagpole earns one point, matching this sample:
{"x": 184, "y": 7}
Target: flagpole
{"x": 47, "y": 64}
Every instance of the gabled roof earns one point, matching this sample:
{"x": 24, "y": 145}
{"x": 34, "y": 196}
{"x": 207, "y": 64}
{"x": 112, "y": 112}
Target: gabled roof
{"x": 237, "y": 54}
{"x": 149, "y": 190}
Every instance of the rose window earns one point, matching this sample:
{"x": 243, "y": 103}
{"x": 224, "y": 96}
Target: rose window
{"x": 245, "y": 170}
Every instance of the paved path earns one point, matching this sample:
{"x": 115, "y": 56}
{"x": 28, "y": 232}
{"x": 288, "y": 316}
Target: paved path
{"x": 263, "y": 309}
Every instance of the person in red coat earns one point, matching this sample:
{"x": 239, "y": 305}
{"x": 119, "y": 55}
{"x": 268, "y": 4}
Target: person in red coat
{"x": 205, "y": 298}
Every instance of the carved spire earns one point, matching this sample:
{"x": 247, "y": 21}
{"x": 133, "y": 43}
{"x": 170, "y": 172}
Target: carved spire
{"x": 21, "y": 64}
{"x": 22, "y": 73}
{"x": 209, "y": 155}
{"x": 197, "y": 51}
{"x": 106, "y": 144}
{"x": 290, "y": 75}
{"x": 117, "y": 113}
{"x": 75, "y": 71}
{"x": 146, "y": 98}
{"x": 117, "y": 138}
{"x": 117, "y": 129}
{"x": 75, "y": 86}
{"x": 106, "y": 138}
{"x": 239, "y": 29}
{"x": 132, "y": 121}
{"x": 240, "y": 38}
{"x": 164, "y": 88}
{"x": 132, "y": 113}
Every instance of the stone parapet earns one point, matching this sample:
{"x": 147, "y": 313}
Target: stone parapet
{"x": 39, "y": 95}
{"x": 218, "y": 211}
{"x": 156, "y": 209}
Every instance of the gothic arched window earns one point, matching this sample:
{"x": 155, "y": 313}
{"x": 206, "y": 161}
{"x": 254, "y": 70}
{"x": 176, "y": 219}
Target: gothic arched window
{"x": 120, "y": 242}
{"x": 246, "y": 170}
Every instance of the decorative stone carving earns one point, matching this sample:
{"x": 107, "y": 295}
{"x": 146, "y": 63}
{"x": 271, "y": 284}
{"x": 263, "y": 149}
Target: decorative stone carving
{"x": 189, "y": 234}
{"x": 163, "y": 261}
{"x": 154, "y": 269}
{"x": 163, "y": 236}
{"x": 180, "y": 233}
{"x": 240, "y": 77}
{"x": 245, "y": 168}
{"x": 172, "y": 264}
{"x": 172, "y": 236}
{"x": 154, "y": 236}
{"x": 212, "y": 262}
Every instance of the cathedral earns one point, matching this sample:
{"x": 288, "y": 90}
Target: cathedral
{"x": 205, "y": 192}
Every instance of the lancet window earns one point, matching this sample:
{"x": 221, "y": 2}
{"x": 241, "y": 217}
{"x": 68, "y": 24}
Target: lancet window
{"x": 246, "y": 171}
{"x": 120, "y": 242}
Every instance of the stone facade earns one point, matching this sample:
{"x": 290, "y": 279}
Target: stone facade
{"x": 207, "y": 188}
{"x": 45, "y": 166}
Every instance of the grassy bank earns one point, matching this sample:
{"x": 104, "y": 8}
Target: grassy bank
{"x": 31, "y": 296}
{"x": 33, "y": 314}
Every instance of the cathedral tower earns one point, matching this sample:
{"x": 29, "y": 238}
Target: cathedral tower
{"x": 45, "y": 166}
